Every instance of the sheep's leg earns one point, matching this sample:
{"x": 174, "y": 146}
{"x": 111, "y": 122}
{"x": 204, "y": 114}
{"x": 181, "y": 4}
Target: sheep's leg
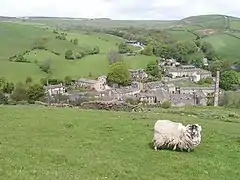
{"x": 154, "y": 145}
{"x": 175, "y": 146}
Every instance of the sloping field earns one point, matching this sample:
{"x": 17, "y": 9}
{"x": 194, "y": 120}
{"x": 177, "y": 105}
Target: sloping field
{"x": 18, "y": 38}
{"x": 96, "y": 64}
{"x": 182, "y": 35}
{"x": 15, "y": 72}
{"x": 60, "y": 144}
{"x": 227, "y": 47}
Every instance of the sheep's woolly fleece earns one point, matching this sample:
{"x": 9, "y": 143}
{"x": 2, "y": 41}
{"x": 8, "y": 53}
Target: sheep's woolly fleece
{"x": 172, "y": 135}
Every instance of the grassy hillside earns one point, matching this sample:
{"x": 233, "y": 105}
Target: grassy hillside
{"x": 85, "y": 144}
{"x": 227, "y": 47}
{"x": 16, "y": 38}
{"x": 181, "y": 35}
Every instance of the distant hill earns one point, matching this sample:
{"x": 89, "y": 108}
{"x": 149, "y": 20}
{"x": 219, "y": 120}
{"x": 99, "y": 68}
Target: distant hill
{"x": 210, "y": 21}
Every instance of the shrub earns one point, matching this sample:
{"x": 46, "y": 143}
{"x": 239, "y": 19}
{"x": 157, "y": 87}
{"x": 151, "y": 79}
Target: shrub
{"x": 19, "y": 93}
{"x": 79, "y": 55}
{"x": 166, "y": 105}
{"x": 3, "y": 98}
{"x": 69, "y": 54}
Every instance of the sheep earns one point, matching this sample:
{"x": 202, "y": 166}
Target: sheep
{"x": 169, "y": 134}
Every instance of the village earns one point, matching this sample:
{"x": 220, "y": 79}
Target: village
{"x": 151, "y": 93}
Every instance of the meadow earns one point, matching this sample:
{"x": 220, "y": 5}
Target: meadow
{"x": 19, "y": 37}
{"x": 225, "y": 46}
{"x": 54, "y": 143}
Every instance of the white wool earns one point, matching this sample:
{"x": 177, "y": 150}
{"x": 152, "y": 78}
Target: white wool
{"x": 169, "y": 134}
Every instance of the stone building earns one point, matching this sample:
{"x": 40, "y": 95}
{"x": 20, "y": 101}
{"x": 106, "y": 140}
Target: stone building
{"x": 195, "y": 74}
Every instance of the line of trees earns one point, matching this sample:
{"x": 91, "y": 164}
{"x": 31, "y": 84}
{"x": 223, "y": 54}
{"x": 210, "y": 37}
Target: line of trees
{"x": 83, "y": 51}
{"x": 27, "y": 91}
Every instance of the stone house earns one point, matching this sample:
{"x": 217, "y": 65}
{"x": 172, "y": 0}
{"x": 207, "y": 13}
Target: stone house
{"x": 149, "y": 98}
{"x": 138, "y": 74}
{"x": 153, "y": 96}
{"x": 169, "y": 63}
{"x": 198, "y": 99}
{"x": 192, "y": 90}
{"x": 134, "y": 43}
{"x": 195, "y": 74}
{"x": 154, "y": 85}
{"x": 98, "y": 85}
{"x": 119, "y": 93}
{"x": 55, "y": 89}
{"x": 205, "y": 62}
{"x": 170, "y": 88}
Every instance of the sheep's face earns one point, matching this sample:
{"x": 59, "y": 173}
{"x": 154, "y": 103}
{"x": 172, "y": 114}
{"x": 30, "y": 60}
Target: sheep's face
{"x": 194, "y": 129}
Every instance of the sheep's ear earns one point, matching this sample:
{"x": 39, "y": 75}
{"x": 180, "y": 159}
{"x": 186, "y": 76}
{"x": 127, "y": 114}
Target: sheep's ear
{"x": 188, "y": 125}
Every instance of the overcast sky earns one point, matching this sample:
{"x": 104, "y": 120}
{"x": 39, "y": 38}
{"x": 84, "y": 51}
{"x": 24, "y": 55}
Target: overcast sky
{"x": 119, "y": 9}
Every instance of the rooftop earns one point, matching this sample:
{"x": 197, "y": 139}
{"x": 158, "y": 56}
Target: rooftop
{"x": 54, "y": 86}
{"x": 88, "y": 81}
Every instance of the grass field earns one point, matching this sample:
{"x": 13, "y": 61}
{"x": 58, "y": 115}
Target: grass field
{"x": 96, "y": 65}
{"x": 20, "y": 36}
{"x": 182, "y": 35}
{"x": 226, "y": 46}
{"x": 17, "y": 38}
{"x": 86, "y": 144}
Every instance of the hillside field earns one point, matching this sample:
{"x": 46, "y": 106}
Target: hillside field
{"x": 88, "y": 144}
{"x": 225, "y": 45}
{"x": 17, "y": 38}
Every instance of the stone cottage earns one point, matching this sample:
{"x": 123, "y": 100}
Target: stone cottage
{"x": 98, "y": 85}
{"x": 195, "y": 74}
{"x": 55, "y": 89}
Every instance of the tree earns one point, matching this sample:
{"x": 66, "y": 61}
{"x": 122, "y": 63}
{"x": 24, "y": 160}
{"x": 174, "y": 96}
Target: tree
{"x": 75, "y": 41}
{"x": 123, "y": 48}
{"x": 114, "y": 57}
{"x": 153, "y": 69}
{"x": 148, "y": 50}
{"x": 28, "y": 80}
{"x": 19, "y": 93}
{"x": 5, "y": 86}
{"x": 3, "y": 98}
{"x": 208, "y": 50}
{"x": 8, "y": 88}
{"x": 67, "y": 80}
{"x": 2, "y": 82}
{"x": 20, "y": 58}
{"x": 196, "y": 59}
{"x": 118, "y": 74}
{"x": 228, "y": 79}
{"x": 35, "y": 93}
{"x": 79, "y": 55}
{"x": 46, "y": 66}
{"x": 69, "y": 54}
{"x": 40, "y": 43}
{"x": 95, "y": 50}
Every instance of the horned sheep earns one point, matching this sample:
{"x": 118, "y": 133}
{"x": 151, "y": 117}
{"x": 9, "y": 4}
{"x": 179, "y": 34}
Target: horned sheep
{"x": 173, "y": 135}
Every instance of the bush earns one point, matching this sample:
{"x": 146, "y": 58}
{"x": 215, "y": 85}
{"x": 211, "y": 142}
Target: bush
{"x": 166, "y": 104}
{"x": 46, "y": 66}
{"x": 69, "y": 55}
{"x": 3, "y": 98}
{"x": 79, "y": 55}
{"x": 19, "y": 93}
{"x": 35, "y": 93}
{"x": 20, "y": 58}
